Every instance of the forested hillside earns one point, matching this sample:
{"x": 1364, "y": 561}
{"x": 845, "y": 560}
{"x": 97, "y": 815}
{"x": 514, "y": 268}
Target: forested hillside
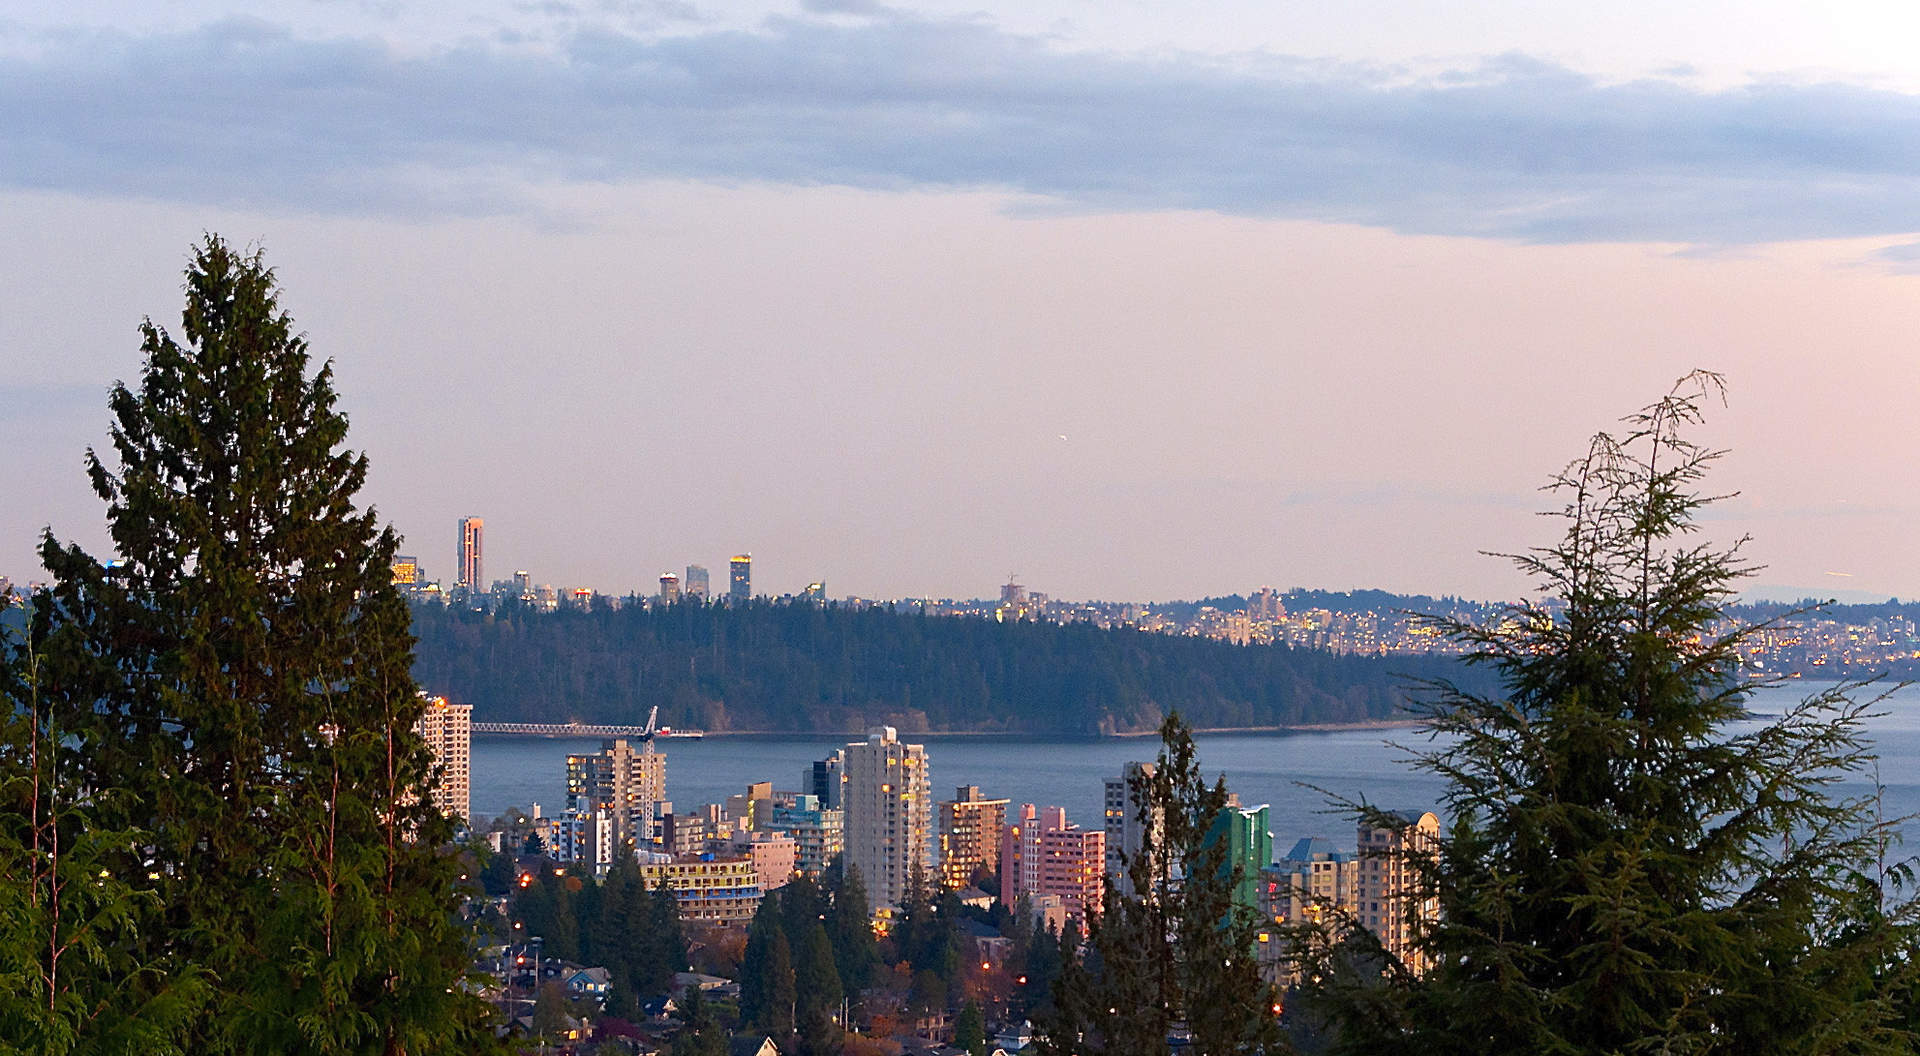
{"x": 797, "y": 667}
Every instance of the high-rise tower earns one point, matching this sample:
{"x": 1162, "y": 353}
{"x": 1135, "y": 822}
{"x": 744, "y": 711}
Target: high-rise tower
{"x": 448, "y": 731}
{"x": 696, "y": 582}
{"x": 669, "y": 588}
{"x": 1126, "y": 829}
{"x": 468, "y": 559}
{"x": 1387, "y": 893}
{"x": 626, "y": 782}
{"x": 970, "y": 826}
{"x": 740, "y": 581}
{"x": 889, "y": 812}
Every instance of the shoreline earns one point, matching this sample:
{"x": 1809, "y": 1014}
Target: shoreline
{"x": 851, "y": 735}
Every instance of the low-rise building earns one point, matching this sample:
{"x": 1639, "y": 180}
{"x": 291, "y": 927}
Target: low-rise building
{"x": 772, "y": 854}
{"x": 708, "y": 888}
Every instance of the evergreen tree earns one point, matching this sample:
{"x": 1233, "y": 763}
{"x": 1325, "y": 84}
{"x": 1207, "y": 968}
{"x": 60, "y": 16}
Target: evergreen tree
{"x": 700, "y": 1033}
{"x": 1041, "y": 968}
{"x": 498, "y": 873}
{"x": 767, "y": 994}
{"x": 664, "y": 951}
{"x": 816, "y": 980}
{"x": 819, "y": 1036}
{"x": 802, "y": 902}
{"x": 1178, "y": 951}
{"x": 970, "y": 1029}
{"x": 243, "y": 674}
{"x": 1634, "y": 865}
{"x": 71, "y": 980}
{"x": 850, "y": 927}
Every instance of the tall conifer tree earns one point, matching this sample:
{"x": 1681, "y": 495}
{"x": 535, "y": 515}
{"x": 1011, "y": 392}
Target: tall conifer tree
{"x": 1179, "y": 952}
{"x": 1635, "y": 865}
{"x": 242, "y": 672}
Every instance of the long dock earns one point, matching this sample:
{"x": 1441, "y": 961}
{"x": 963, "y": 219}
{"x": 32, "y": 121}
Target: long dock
{"x": 579, "y": 729}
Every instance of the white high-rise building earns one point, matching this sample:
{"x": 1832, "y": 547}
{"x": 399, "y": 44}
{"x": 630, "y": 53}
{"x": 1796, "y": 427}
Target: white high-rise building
{"x": 448, "y": 731}
{"x": 1125, "y": 833}
{"x": 889, "y": 814}
{"x": 586, "y": 837}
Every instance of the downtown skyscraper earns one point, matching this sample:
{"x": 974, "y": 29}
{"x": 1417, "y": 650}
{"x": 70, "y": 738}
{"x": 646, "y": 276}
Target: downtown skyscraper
{"x": 740, "y": 579}
{"x": 467, "y": 560}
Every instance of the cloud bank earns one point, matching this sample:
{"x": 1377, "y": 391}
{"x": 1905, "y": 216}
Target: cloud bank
{"x": 244, "y": 113}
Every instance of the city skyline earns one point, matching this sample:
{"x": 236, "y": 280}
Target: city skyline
{"x": 1129, "y": 337}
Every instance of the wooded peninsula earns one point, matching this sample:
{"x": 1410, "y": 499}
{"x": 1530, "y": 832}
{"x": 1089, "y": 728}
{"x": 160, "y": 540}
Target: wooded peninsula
{"x": 797, "y": 667}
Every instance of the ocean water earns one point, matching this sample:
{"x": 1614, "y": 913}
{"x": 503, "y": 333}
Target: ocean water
{"x": 1288, "y": 772}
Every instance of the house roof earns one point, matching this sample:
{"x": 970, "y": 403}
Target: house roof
{"x": 751, "y": 1045}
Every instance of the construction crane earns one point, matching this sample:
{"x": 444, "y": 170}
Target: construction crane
{"x": 653, "y": 727}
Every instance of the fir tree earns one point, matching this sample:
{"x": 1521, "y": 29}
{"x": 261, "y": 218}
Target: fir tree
{"x": 1180, "y": 951}
{"x": 244, "y": 674}
{"x": 816, "y": 980}
{"x": 71, "y": 976}
{"x": 767, "y": 994}
{"x": 850, "y": 927}
{"x": 970, "y": 1029}
{"x": 1633, "y": 865}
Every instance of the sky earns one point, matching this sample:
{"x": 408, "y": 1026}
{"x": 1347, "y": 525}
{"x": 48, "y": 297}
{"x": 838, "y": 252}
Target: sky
{"x": 1131, "y": 300}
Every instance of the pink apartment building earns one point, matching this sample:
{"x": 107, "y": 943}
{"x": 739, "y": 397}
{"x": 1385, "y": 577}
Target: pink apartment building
{"x": 1042, "y": 854}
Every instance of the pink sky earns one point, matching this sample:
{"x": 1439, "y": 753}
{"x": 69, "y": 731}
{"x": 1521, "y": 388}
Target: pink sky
{"x": 1170, "y": 383}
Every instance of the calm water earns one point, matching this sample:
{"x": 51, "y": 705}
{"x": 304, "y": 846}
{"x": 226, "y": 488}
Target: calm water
{"x": 1261, "y": 768}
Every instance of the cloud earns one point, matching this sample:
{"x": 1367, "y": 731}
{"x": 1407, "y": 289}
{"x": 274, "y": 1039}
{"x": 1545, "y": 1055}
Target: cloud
{"x": 245, "y": 113}
{"x": 843, "y": 7}
{"x": 1903, "y": 258}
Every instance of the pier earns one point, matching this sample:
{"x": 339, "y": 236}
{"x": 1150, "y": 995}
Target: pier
{"x": 578, "y": 729}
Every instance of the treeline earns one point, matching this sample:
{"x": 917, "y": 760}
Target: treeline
{"x": 794, "y": 666}
{"x": 616, "y": 922}
{"x": 812, "y": 954}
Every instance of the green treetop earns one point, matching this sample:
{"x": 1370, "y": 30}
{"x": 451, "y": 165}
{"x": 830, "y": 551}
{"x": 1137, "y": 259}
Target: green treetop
{"x": 1179, "y": 952}
{"x": 239, "y": 682}
{"x": 1636, "y": 864}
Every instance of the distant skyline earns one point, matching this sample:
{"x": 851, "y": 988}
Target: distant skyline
{"x": 1141, "y": 304}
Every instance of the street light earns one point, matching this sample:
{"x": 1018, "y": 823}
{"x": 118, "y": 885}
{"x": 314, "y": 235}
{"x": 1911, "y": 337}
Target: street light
{"x": 535, "y": 1003}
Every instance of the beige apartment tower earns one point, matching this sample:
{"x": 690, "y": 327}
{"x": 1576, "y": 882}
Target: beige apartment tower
{"x": 1386, "y": 890}
{"x": 888, "y": 803}
{"x": 448, "y": 731}
{"x": 629, "y": 783}
{"x": 970, "y": 827}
